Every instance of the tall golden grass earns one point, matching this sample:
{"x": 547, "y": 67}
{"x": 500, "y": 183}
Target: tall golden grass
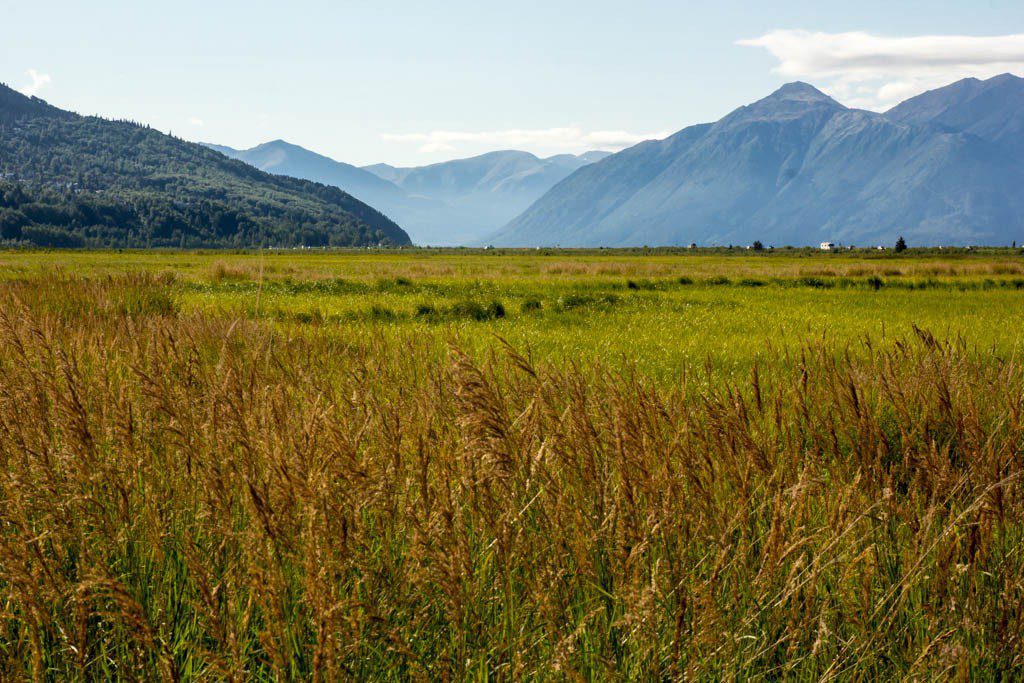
{"x": 193, "y": 498}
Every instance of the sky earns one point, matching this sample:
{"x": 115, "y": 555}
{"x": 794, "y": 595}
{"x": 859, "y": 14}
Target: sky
{"x": 410, "y": 83}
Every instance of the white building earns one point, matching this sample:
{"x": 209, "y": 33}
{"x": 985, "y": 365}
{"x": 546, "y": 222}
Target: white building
{"x": 828, "y": 246}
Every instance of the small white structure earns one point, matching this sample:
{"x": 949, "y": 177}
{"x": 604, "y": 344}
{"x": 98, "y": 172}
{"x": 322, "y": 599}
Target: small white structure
{"x": 828, "y": 246}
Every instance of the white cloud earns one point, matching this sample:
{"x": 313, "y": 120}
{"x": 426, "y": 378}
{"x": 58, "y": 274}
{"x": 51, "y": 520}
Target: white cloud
{"x": 876, "y": 72}
{"x": 39, "y": 81}
{"x": 567, "y": 139}
{"x": 195, "y": 121}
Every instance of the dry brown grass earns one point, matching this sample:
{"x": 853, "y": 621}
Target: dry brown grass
{"x": 187, "y": 497}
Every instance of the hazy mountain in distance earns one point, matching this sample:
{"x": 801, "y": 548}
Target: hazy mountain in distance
{"x": 483, "y": 193}
{"x": 992, "y": 109}
{"x": 506, "y": 173}
{"x": 383, "y": 171}
{"x": 453, "y": 203}
{"x": 593, "y": 157}
{"x": 795, "y": 168}
{"x": 282, "y": 158}
{"x": 285, "y": 159}
{"x": 72, "y": 181}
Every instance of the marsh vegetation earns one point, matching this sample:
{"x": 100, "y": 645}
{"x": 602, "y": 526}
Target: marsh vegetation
{"x": 464, "y": 467}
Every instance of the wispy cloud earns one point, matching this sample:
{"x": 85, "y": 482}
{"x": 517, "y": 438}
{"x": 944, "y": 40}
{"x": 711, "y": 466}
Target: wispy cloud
{"x": 39, "y": 81}
{"x": 195, "y": 121}
{"x": 876, "y": 72}
{"x": 569, "y": 139}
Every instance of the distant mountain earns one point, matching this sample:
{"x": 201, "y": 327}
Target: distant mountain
{"x": 484, "y": 192}
{"x": 453, "y": 203}
{"x": 383, "y": 171}
{"x": 491, "y": 185}
{"x": 992, "y": 109}
{"x": 282, "y": 158}
{"x": 796, "y": 168}
{"x": 593, "y": 157}
{"x": 69, "y": 180}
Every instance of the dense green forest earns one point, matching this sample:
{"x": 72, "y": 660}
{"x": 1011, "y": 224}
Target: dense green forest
{"x": 75, "y": 181}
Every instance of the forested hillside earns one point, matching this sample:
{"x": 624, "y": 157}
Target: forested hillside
{"x": 68, "y": 180}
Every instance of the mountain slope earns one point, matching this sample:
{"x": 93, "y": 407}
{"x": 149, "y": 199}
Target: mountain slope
{"x": 15, "y": 106}
{"x": 794, "y": 168}
{"x": 282, "y": 158}
{"x": 69, "y": 180}
{"x": 992, "y": 109}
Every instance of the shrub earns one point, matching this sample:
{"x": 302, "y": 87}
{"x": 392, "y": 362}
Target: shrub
{"x": 495, "y": 310}
{"x": 314, "y": 317}
{"x": 530, "y": 305}
{"x": 379, "y": 312}
{"x": 425, "y": 310}
{"x": 573, "y": 301}
{"x": 388, "y": 284}
{"x": 474, "y": 310}
{"x": 814, "y": 282}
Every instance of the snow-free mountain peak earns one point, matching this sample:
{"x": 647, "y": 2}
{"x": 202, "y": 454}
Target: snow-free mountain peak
{"x": 793, "y": 100}
{"x": 801, "y": 92}
{"x": 992, "y": 109}
{"x": 799, "y": 168}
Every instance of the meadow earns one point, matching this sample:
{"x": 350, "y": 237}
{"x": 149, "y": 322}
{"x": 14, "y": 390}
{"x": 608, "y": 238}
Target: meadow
{"x": 476, "y": 465}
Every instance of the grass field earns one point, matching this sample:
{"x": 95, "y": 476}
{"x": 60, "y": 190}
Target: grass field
{"x": 658, "y": 311}
{"x": 485, "y": 465}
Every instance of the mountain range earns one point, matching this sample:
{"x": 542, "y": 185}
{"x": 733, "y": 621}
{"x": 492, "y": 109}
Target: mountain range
{"x": 799, "y": 168}
{"x": 70, "y": 181}
{"x": 484, "y": 192}
{"x": 795, "y": 168}
{"x": 450, "y": 203}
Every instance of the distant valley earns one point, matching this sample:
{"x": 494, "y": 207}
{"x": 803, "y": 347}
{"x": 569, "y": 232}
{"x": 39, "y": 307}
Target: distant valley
{"x": 460, "y": 202}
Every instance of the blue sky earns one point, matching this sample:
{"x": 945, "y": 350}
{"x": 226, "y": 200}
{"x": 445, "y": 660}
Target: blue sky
{"x": 412, "y": 82}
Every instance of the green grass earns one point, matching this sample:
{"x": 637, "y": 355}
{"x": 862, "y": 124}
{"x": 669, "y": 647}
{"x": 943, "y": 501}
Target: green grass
{"x": 472, "y": 465}
{"x": 657, "y": 311}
